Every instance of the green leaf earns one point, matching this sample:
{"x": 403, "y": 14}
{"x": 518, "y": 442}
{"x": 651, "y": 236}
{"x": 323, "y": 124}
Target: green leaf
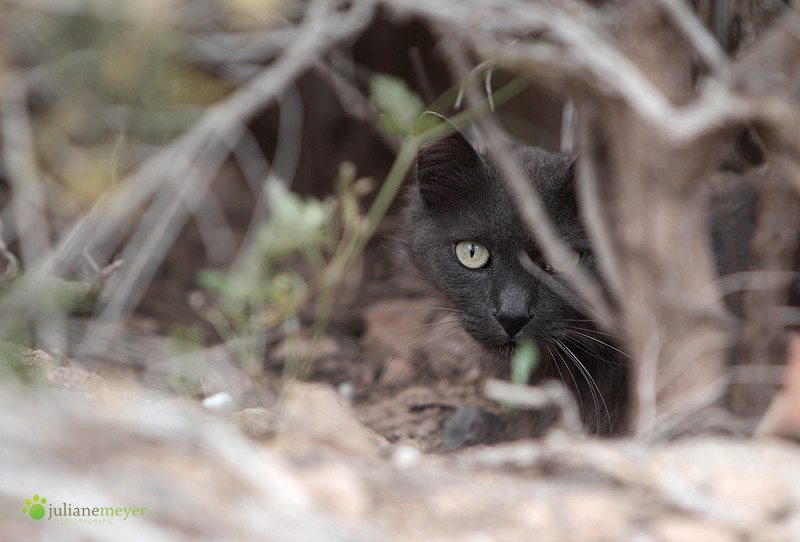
{"x": 524, "y": 362}
{"x": 211, "y": 280}
{"x": 294, "y": 222}
{"x": 399, "y": 106}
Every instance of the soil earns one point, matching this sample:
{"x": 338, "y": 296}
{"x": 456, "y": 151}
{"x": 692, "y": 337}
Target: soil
{"x": 392, "y": 438}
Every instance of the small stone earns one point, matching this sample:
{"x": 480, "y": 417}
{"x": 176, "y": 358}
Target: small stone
{"x": 256, "y": 423}
{"x": 317, "y": 411}
{"x": 219, "y": 403}
{"x": 406, "y": 456}
{"x": 470, "y": 425}
{"x": 346, "y": 389}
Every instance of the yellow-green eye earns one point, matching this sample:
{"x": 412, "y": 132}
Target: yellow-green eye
{"x": 471, "y": 254}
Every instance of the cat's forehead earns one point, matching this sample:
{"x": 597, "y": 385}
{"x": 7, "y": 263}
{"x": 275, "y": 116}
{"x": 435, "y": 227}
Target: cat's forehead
{"x": 491, "y": 218}
{"x": 548, "y": 170}
{"x": 550, "y": 173}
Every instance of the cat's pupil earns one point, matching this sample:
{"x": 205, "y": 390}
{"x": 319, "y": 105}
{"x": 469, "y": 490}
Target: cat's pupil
{"x": 471, "y": 255}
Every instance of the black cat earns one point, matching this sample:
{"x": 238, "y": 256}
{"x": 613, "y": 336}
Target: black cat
{"x": 464, "y": 235}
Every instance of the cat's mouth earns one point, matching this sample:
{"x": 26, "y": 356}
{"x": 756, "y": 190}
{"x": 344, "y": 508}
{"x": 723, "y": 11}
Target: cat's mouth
{"x": 504, "y": 349}
{"x": 507, "y": 350}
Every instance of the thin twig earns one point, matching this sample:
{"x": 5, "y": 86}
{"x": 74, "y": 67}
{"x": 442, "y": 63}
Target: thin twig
{"x": 577, "y": 54}
{"x": 190, "y": 178}
{"x": 19, "y": 161}
{"x": 549, "y": 394}
{"x": 701, "y": 39}
{"x": 533, "y": 212}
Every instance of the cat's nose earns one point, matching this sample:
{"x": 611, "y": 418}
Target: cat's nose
{"x": 512, "y": 322}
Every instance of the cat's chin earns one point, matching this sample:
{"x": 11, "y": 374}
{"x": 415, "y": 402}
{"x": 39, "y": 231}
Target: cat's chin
{"x": 504, "y": 350}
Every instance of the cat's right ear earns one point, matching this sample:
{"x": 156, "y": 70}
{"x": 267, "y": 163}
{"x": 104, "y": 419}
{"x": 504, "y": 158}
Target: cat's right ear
{"x": 448, "y": 168}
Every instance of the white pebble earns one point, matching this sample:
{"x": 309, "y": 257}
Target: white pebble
{"x": 406, "y": 456}
{"x": 221, "y": 403}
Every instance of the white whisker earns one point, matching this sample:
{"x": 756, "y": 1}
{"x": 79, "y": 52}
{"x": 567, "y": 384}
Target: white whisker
{"x": 566, "y": 366}
{"x": 581, "y": 332}
{"x": 590, "y": 381}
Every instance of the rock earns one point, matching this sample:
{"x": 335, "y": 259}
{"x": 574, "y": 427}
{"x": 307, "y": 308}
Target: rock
{"x": 470, "y": 425}
{"x": 62, "y": 376}
{"x": 318, "y": 412}
{"x": 406, "y": 456}
{"x": 219, "y": 403}
{"x": 256, "y": 423}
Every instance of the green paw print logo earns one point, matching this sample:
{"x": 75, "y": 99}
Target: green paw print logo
{"x": 33, "y": 507}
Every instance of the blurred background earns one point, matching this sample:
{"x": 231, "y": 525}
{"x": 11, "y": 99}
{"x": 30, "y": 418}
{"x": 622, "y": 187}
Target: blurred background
{"x": 199, "y": 199}
{"x": 146, "y": 148}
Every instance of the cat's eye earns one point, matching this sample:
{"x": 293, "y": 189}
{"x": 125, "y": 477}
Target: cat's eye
{"x": 471, "y": 254}
{"x": 575, "y": 259}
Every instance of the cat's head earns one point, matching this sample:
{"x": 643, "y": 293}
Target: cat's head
{"x": 464, "y": 234}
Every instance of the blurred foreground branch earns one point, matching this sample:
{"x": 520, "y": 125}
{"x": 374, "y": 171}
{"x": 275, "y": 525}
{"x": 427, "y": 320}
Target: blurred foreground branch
{"x": 659, "y": 102}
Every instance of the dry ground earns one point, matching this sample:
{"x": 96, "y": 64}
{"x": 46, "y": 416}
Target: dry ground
{"x": 392, "y": 441}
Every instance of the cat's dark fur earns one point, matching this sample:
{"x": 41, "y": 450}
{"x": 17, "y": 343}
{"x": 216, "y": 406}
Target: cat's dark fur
{"x": 460, "y": 195}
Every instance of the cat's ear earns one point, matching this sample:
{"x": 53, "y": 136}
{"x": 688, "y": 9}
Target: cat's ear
{"x": 448, "y": 168}
{"x": 572, "y": 170}
{"x": 568, "y": 189}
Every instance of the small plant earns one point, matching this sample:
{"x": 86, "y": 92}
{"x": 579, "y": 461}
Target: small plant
{"x": 262, "y": 292}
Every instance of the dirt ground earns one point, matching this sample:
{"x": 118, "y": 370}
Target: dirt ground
{"x": 392, "y": 439}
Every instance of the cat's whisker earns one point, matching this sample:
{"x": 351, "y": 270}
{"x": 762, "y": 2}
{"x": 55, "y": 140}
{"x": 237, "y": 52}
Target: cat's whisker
{"x": 449, "y": 325}
{"x": 591, "y": 349}
{"x": 453, "y": 325}
{"x": 427, "y": 345}
{"x": 605, "y": 344}
{"x": 591, "y": 328}
{"x": 453, "y": 352}
{"x": 429, "y": 324}
{"x": 432, "y": 310}
{"x": 594, "y": 389}
{"x": 421, "y": 309}
{"x": 577, "y": 388}
{"x": 571, "y": 374}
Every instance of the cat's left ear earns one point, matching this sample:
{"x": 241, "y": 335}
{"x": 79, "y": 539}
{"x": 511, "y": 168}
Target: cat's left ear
{"x": 569, "y": 187}
{"x": 572, "y": 169}
{"x": 447, "y": 168}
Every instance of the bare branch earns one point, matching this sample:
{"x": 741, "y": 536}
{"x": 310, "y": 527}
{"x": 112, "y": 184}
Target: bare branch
{"x": 180, "y": 163}
{"x": 19, "y": 162}
{"x": 549, "y": 394}
{"x": 702, "y": 40}
{"x": 533, "y": 213}
{"x": 584, "y": 56}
